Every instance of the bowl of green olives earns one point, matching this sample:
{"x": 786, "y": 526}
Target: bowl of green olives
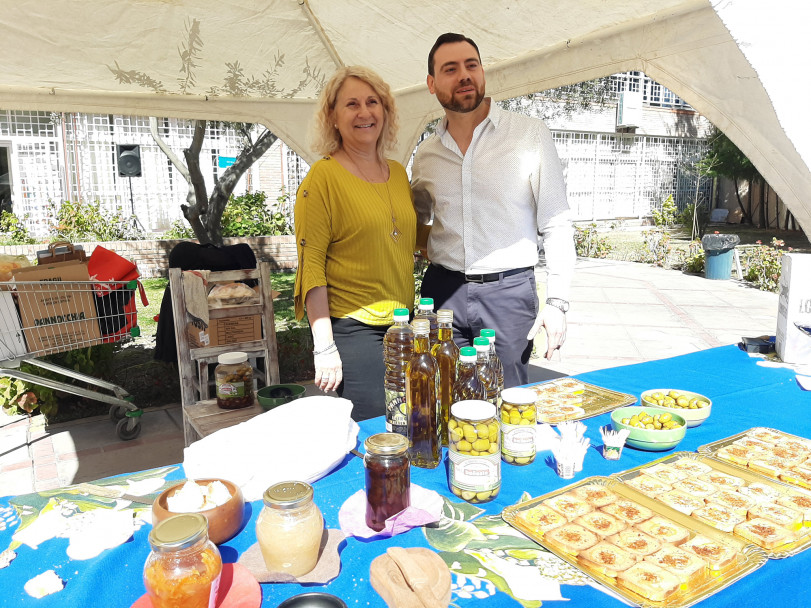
{"x": 693, "y": 407}
{"x": 654, "y": 429}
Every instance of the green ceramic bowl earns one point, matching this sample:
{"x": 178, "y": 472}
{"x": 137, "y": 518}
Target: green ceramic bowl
{"x": 693, "y": 417}
{"x": 277, "y": 394}
{"x": 649, "y": 439}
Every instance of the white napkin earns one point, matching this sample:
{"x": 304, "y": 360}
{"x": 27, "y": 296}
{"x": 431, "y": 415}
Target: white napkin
{"x": 302, "y": 440}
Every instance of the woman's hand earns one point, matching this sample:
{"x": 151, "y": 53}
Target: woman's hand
{"x": 328, "y": 368}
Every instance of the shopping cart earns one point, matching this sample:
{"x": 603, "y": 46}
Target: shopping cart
{"x": 46, "y": 317}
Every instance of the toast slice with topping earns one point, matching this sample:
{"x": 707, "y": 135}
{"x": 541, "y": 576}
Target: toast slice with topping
{"x": 649, "y": 581}
{"x": 606, "y": 559}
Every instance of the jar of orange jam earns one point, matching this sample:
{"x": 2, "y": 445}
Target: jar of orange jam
{"x": 183, "y": 570}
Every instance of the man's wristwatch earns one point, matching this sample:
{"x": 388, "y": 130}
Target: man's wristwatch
{"x": 562, "y": 305}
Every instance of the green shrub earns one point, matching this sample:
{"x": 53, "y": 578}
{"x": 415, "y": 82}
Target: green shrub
{"x": 13, "y": 231}
{"x": 179, "y": 230}
{"x": 694, "y": 258}
{"x": 588, "y": 242}
{"x": 20, "y": 397}
{"x": 249, "y": 215}
{"x": 657, "y": 247}
{"x": 665, "y": 217}
{"x": 78, "y": 221}
{"x": 764, "y": 264}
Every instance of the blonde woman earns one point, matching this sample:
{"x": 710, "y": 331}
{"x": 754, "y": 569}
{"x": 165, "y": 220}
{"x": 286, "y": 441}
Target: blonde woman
{"x": 355, "y": 233}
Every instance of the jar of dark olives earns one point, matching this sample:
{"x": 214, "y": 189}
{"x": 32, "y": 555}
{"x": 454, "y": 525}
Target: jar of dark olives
{"x": 388, "y": 477}
{"x": 234, "y": 380}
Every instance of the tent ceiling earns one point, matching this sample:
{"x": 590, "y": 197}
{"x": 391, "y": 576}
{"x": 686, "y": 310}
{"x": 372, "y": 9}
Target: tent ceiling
{"x": 265, "y": 61}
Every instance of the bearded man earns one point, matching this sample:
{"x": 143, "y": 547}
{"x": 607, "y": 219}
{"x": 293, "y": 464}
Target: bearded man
{"x": 485, "y": 185}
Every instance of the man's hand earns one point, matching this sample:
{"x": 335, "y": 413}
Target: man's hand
{"x": 328, "y": 369}
{"x": 553, "y": 320}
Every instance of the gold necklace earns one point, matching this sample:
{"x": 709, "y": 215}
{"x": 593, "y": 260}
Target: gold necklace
{"x": 395, "y": 232}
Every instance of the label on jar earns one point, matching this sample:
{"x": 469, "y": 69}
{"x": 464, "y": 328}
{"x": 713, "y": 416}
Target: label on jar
{"x": 475, "y": 473}
{"x": 517, "y": 441}
{"x": 396, "y": 421}
{"x": 229, "y": 390}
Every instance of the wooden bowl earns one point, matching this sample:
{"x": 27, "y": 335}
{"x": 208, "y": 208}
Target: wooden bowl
{"x": 223, "y": 522}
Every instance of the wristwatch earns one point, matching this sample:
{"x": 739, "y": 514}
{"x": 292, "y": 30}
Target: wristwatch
{"x": 562, "y": 305}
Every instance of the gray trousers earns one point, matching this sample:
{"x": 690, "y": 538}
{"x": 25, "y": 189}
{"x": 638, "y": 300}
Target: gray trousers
{"x": 508, "y": 305}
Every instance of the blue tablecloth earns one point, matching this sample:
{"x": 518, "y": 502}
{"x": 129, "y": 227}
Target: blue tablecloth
{"x": 744, "y": 395}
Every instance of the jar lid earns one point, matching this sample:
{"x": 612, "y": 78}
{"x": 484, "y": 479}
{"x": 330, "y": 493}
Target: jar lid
{"x": 473, "y": 409}
{"x": 288, "y": 495}
{"x": 444, "y": 315}
{"x": 401, "y": 314}
{"x": 481, "y": 344}
{"x": 488, "y": 333}
{"x": 232, "y": 358}
{"x": 426, "y": 304}
{"x": 386, "y": 443}
{"x": 518, "y": 396}
{"x": 178, "y": 532}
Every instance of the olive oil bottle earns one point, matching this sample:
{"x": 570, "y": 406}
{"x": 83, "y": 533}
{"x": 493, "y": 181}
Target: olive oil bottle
{"x": 495, "y": 362}
{"x": 467, "y": 385}
{"x": 422, "y": 383}
{"x": 398, "y": 347}
{"x": 485, "y": 372}
{"x": 446, "y": 354}
{"x": 425, "y": 310}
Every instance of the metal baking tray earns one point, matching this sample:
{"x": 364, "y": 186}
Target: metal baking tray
{"x": 750, "y": 557}
{"x": 596, "y": 400}
{"x": 783, "y": 551}
{"x": 710, "y": 449}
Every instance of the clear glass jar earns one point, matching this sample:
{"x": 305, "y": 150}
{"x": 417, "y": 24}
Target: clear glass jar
{"x": 388, "y": 477}
{"x": 474, "y": 451}
{"x": 289, "y": 528}
{"x": 518, "y": 417}
{"x": 234, "y": 380}
{"x": 183, "y": 570}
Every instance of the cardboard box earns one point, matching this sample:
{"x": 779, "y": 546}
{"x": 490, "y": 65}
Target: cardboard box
{"x": 221, "y": 332}
{"x": 12, "y": 344}
{"x": 59, "y": 314}
{"x": 794, "y": 308}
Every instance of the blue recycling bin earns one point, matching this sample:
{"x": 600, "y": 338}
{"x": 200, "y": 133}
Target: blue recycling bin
{"x": 718, "y": 252}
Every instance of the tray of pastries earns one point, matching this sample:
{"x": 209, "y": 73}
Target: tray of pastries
{"x": 766, "y": 451}
{"x": 636, "y": 546}
{"x": 570, "y": 399}
{"x": 740, "y": 502}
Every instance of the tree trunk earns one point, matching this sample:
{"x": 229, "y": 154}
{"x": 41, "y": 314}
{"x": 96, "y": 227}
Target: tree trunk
{"x": 229, "y": 180}
{"x": 762, "y": 218}
{"x": 745, "y": 219}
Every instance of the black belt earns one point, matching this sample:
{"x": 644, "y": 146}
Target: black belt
{"x": 483, "y": 278}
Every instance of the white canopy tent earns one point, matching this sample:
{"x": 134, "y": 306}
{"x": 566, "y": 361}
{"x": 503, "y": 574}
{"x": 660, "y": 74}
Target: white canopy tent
{"x": 735, "y": 61}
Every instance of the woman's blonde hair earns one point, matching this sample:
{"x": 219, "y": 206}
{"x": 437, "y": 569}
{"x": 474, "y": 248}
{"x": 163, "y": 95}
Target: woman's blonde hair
{"x": 326, "y": 138}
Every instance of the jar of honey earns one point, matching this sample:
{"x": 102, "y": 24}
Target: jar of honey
{"x": 289, "y": 528}
{"x": 234, "y": 380}
{"x": 183, "y": 570}
{"x": 388, "y": 477}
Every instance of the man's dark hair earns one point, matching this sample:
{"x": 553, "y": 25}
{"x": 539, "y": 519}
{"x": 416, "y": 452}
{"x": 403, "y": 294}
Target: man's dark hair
{"x": 447, "y": 39}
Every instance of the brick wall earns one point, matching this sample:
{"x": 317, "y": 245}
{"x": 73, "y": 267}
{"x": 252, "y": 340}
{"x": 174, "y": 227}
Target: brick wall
{"x": 152, "y": 256}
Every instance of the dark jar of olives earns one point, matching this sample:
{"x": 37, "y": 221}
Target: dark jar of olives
{"x": 388, "y": 478}
{"x": 234, "y": 380}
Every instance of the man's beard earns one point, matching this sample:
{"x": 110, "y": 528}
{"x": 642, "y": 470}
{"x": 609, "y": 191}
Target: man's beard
{"x": 464, "y": 106}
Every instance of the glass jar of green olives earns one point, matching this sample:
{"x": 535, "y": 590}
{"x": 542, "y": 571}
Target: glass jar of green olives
{"x": 518, "y": 425}
{"x": 234, "y": 380}
{"x": 474, "y": 449}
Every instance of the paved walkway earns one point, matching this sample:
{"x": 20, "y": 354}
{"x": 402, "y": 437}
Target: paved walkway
{"x": 622, "y": 313}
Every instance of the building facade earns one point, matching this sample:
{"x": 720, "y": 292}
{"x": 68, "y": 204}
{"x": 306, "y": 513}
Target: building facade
{"x": 614, "y": 169}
